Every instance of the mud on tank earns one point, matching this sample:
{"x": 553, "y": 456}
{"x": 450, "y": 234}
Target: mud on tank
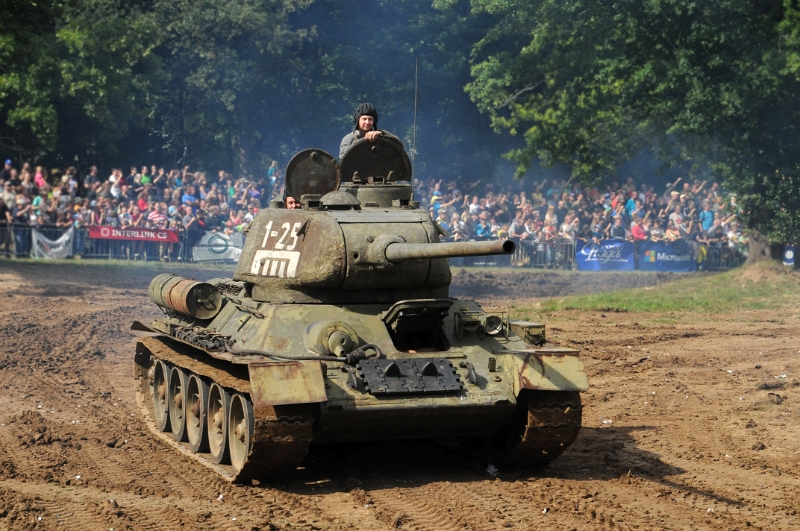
{"x": 338, "y": 327}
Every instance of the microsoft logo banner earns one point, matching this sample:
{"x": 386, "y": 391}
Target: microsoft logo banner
{"x": 678, "y": 257}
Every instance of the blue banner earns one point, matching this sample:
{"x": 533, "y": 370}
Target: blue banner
{"x": 610, "y": 255}
{"x": 788, "y": 255}
{"x": 678, "y": 257}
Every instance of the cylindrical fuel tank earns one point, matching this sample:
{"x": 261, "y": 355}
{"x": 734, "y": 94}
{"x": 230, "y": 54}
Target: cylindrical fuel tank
{"x": 189, "y": 297}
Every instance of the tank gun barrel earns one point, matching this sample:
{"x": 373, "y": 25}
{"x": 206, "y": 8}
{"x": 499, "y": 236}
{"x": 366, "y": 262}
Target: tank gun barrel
{"x": 401, "y": 252}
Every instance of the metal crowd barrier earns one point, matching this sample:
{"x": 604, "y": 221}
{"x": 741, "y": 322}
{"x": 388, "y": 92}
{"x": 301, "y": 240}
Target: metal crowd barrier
{"x": 85, "y": 247}
{"x": 127, "y": 249}
{"x": 551, "y": 255}
{"x": 719, "y": 258}
{"x": 16, "y": 241}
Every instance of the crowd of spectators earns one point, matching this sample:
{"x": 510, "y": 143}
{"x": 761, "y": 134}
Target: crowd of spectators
{"x": 565, "y": 211}
{"x": 531, "y": 212}
{"x": 145, "y": 197}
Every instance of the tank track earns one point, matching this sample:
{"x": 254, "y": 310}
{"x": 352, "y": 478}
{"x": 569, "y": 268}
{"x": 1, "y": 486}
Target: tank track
{"x": 281, "y": 435}
{"x": 545, "y": 424}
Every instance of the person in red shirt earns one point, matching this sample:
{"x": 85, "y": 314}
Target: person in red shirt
{"x": 142, "y": 201}
{"x": 637, "y": 231}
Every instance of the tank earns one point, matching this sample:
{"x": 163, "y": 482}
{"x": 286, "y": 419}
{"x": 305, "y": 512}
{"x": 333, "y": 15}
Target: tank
{"x": 338, "y": 327}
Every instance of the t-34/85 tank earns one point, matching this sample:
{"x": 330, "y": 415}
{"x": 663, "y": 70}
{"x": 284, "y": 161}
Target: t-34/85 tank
{"x": 338, "y": 327}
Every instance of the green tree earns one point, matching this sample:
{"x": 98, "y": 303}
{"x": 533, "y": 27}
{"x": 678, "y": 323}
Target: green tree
{"x": 107, "y": 72}
{"x": 28, "y": 116}
{"x": 74, "y": 76}
{"x": 232, "y": 85}
{"x": 230, "y": 68}
{"x": 710, "y": 84}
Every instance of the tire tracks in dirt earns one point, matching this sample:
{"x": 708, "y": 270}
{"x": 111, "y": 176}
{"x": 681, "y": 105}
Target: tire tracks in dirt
{"x": 665, "y": 461}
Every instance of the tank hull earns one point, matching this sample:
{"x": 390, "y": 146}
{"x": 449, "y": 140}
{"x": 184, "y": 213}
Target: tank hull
{"x": 299, "y": 403}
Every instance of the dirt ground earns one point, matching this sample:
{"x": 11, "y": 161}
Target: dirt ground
{"x": 689, "y": 423}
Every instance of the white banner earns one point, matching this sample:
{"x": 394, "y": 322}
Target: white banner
{"x": 218, "y": 246}
{"x": 44, "y": 247}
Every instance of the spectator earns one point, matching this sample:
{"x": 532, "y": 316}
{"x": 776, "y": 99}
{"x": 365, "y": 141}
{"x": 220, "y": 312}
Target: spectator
{"x": 6, "y": 219}
{"x": 682, "y": 228}
{"x": 63, "y": 220}
{"x": 21, "y": 215}
{"x": 91, "y": 180}
{"x": 249, "y": 215}
{"x": 9, "y": 196}
{"x": 145, "y": 177}
{"x": 617, "y": 230}
{"x": 13, "y": 178}
{"x": 158, "y": 216}
{"x": 638, "y": 232}
{"x": 38, "y": 177}
{"x": 213, "y": 221}
{"x": 568, "y": 231}
{"x": 657, "y": 233}
{"x": 5, "y": 173}
{"x": 517, "y": 229}
{"x": 716, "y": 234}
{"x": 672, "y": 233}
{"x": 483, "y": 230}
{"x": 43, "y": 208}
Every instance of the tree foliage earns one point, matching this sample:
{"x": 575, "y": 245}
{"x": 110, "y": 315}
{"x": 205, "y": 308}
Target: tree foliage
{"x": 232, "y": 85}
{"x": 711, "y": 85}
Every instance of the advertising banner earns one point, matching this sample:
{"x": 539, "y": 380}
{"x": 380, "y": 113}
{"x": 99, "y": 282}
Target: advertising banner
{"x": 610, "y": 255}
{"x": 44, "y": 247}
{"x": 217, "y": 246}
{"x": 149, "y": 235}
{"x": 677, "y": 257}
{"x": 788, "y": 255}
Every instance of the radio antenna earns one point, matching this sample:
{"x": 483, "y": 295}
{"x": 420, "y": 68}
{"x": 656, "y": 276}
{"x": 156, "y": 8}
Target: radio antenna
{"x": 414, "y": 134}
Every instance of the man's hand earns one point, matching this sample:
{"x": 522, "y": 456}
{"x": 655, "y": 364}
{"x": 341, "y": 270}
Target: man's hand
{"x": 372, "y": 136}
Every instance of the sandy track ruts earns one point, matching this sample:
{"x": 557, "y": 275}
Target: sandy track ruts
{"x": 687, "y": 457}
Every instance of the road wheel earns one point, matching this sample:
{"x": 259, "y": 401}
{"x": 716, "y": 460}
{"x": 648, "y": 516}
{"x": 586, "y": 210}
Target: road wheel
{"x": 217, "y": 422}
{"x": 240, "y": 430}
{"x": 196, "y": 404}
{"x": 176, "y": 400}
{"x": 160, "y": 383}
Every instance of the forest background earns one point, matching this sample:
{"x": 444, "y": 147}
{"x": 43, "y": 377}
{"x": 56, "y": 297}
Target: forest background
{"x": 599, "y": 89}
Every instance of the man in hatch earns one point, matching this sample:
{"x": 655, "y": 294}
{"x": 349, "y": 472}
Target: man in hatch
{"x": 365, "y": 123}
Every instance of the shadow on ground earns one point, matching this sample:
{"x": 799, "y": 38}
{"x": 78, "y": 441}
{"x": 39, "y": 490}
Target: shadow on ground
{"x": 598, "y": 454}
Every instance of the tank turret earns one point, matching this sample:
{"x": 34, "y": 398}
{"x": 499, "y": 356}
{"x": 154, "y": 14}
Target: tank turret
{"x": 338, "y": 327}
{"x": 338, "y": 249}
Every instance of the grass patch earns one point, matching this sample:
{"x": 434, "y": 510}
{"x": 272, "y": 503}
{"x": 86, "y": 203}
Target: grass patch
{"x": 772, "y": 399}
{"x": 762, "y": 286}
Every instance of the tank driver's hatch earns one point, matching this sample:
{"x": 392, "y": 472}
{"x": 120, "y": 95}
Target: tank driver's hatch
{"x": 384, "y": 160}
{"x": 312, "y": 172}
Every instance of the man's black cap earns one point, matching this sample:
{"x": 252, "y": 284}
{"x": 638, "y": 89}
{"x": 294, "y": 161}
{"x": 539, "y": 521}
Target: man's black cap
{"x": 368, "y": 109}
